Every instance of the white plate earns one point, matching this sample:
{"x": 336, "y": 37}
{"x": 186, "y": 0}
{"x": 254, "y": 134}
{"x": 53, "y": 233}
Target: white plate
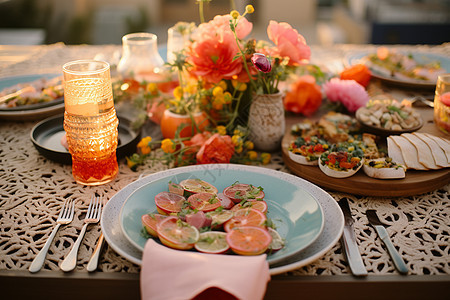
{"x": 296, "y": 214}
{"x": 332, "y": 229}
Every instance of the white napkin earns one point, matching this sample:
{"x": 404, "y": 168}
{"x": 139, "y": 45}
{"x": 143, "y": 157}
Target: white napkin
{"x": 174, "y": 274}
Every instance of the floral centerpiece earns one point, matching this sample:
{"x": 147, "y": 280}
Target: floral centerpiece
{"x": 233, "y": 93}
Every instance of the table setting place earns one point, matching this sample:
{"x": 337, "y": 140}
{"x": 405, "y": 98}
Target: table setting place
{"x": 223, "y": 169}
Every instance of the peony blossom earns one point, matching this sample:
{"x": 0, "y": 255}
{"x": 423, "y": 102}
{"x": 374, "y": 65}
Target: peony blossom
{"x": 214, "y": 48}
{"x": 289, "y": 42}
{"x": 350, "y": 93}
{"x": 359, "y": 72}
{"x": 217, "y": 149}
{"x": 304, "y": 97}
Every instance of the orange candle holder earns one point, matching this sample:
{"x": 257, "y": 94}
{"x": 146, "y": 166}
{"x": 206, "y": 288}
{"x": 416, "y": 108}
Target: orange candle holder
{"x": 90, "y": 121}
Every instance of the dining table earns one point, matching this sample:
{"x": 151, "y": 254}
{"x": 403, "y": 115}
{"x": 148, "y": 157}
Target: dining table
{"x": 33, "y": 188}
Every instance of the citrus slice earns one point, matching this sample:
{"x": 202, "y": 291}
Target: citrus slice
{"x": 176, "y": 188}
{"x": 249, "y": 240}
{"x": 204, "y": 202}
{"x": 177, "y": 234}
{"x": 246, "y": 217}
{"x": 167, "y": 203}
{"x": 219, "y": 218}
{"x": 151, "y": 221}
{"x": 214, "y": 242}
{"x": 242, "y": 191}
{"x": 277, "y": 242}
{"x": 198, "y": 186}
{"x": 260, "y": 205}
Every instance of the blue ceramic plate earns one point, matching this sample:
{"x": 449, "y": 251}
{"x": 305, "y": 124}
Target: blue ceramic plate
{"x": 297, "y": 215}
{"x": 33, "y": 111}
{"x": 421, "y": 57}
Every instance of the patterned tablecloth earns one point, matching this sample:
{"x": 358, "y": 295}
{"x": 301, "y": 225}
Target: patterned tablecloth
{"x": 32, "y": 189}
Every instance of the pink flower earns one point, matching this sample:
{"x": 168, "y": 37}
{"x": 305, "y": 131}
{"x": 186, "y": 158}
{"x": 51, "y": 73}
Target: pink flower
{"x": 350, "y": 93}
{"x": 289, "y": 42}
{"x": 214, "y": 47}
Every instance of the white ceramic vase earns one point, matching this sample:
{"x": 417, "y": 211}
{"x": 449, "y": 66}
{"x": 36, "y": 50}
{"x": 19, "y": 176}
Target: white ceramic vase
{"x": 266, "y": 121}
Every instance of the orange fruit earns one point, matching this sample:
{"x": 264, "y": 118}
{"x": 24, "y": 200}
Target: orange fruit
{"x": 167, "y": 203}
{"x": 195, "y": 185}
{"x": 260, "y": 205}
{"x": 177, "y": 234}
{"x": 150, "y": 223}
{"x": 246, "y": 217}
{"x": 214, "y": 242}
{"x": 249, "y": 240}
{"x": 242, "y": 191}
{"x": 204, "y": 202}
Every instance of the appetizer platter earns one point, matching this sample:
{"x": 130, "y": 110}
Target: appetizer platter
{"x": 407, "y": 69}
{"x": 354, "y": 161}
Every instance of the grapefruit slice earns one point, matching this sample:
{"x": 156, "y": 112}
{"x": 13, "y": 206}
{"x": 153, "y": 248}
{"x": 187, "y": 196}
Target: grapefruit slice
{"x": 177, "y": 234}
{"x": 167, "y": 203}
{"x": 249, "y": 240}
{"x": 242, "y": 191}
{"x": 204, "y": 202}
{"x": 246, "y": 217}
{"x": 150, "y": 223}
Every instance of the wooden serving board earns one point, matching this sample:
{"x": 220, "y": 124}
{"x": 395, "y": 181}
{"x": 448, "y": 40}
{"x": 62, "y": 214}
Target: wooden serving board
{"x": 415, "y": 182}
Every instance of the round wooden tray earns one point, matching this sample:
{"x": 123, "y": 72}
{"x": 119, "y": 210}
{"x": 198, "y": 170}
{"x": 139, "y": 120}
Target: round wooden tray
{"x": 415, "y": 182}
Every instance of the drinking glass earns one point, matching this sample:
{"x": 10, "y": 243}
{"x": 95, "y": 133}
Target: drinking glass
{"x": 90, "y": 121}
{"x": 442, "y": 103}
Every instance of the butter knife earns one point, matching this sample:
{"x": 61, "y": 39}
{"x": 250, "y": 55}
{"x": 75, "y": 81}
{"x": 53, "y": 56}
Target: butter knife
{"x": 382, "y": 233}
{"x": 348, "y": 241}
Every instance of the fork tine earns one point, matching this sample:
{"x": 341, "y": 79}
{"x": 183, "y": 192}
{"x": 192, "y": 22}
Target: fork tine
{"x": 63, "y": 209}
{"x": 88, "y": 213}
{"x": 100, "y": 206}
{"x": 71, "y": 211}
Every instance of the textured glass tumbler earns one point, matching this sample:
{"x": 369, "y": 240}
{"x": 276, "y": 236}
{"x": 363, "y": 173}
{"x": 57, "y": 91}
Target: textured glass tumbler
{"x": 442, "y": 103}
{"x": 90, "y": 121}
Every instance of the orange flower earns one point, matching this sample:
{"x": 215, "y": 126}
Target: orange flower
{"x": 305, "y": 96}
{"x": 217, "y": 149}
{"x": 197, "y": 141}
{"x": 360, "y": 73}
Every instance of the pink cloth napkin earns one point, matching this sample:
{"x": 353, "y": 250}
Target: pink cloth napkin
{"x": 174, "y": 274}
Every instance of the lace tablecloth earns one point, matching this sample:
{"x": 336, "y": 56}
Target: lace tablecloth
{"x": 32, "y": 189}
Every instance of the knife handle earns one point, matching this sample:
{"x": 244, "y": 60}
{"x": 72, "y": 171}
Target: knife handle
{"x": 396, "y": 258}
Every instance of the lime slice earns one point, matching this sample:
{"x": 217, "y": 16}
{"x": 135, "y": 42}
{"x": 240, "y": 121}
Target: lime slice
{"x": 214, "y": 242}
{"x": 220, "y": 217}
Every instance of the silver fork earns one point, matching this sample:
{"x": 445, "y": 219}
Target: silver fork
{"x": 65, "y": 217}
{"x": 92, "y": 216}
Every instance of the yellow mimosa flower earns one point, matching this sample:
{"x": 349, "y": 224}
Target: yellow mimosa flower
{"x": 178, "y": 92}
{"x": 222, "y": 130}
{"x": 152, "y": 88}
{"x": 144, "y": 145}
{"x": 227, "y": 97}
{"x": 249, "y": 145}
{"x": 249, "y": 9}
{"x": 265, "y": 158}
{"x": 234, "y": 14}
{"x": 167, "y": 146}
{"x": 252, "y": 155}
